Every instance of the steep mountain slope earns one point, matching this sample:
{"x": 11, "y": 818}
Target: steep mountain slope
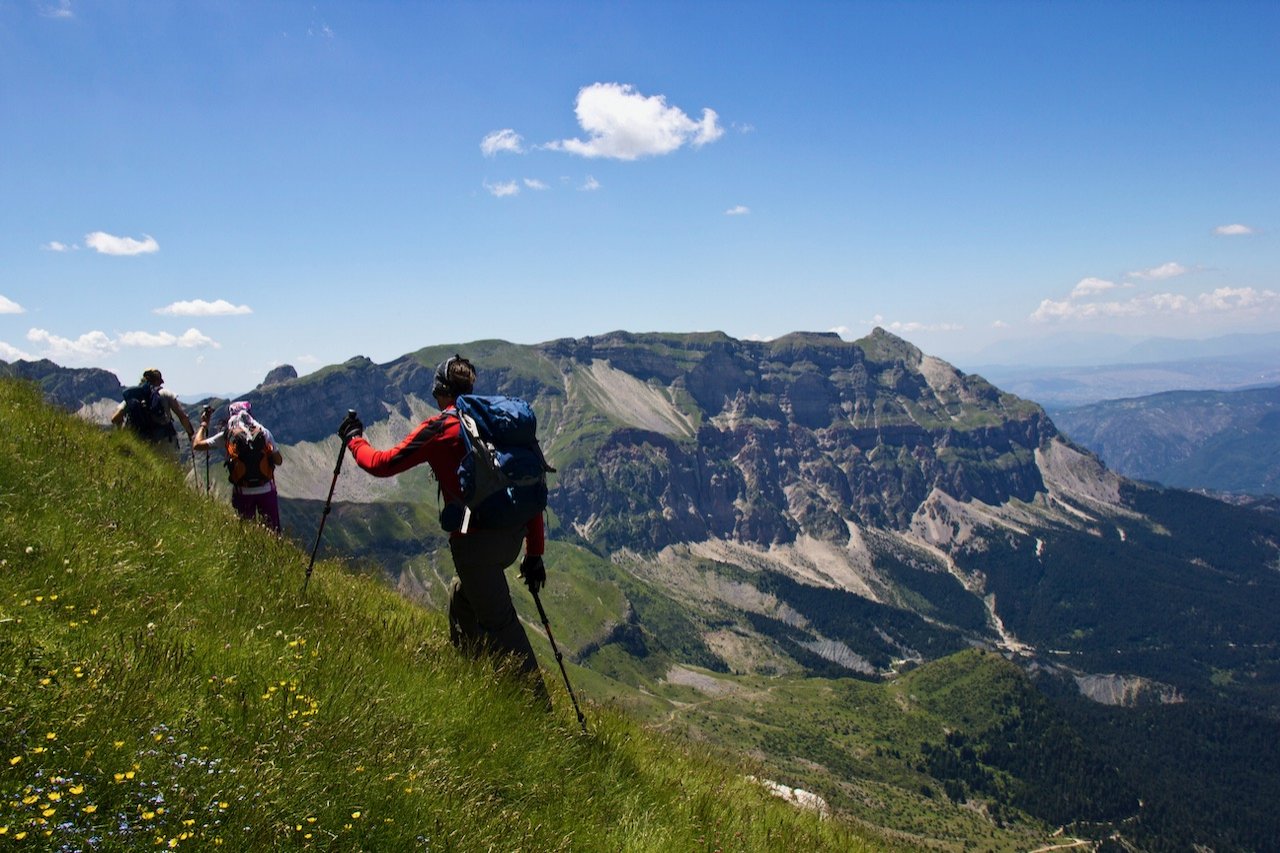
{"x": 826, "y": 506}
{"x": 732, "y": 513}
{"x": 1226, "y": 441}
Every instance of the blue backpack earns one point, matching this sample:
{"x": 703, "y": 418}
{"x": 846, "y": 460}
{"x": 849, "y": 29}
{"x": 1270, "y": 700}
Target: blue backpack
{"x": 503, "y": 473}
{"x": 147, "y": 413}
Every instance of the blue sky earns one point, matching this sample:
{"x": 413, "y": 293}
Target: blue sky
{"x": 216, "y": 188}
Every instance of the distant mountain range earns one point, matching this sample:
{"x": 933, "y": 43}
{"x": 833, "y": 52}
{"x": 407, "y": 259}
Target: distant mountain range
{"x": 1224, "y": 441}
{"x": 1061, "y": 372}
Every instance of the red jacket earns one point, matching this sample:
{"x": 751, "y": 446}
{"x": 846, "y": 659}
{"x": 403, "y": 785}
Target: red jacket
{"x": 438, "y": 442}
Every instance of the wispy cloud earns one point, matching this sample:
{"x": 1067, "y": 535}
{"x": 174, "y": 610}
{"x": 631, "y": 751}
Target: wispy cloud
{"x": 8, "y": 306}
{"x": 503, "y": 189}
{"x": 201, "y": 308}
{"x": 622, "y": 124}
{"x": 590, "y": 185}
{"x": 1169, "y": 270}
{"x": 1236, "y": 230}
{"x": 109, "y": 244}
{"x": 60, "y": 9}
{"x": 909, "y": 326}
{"x": 56, "y": 246}
{"x": 1089, "y": 286}
{"x": 535, "y": 184}
{"x": 915, "y": 326}
{"x": 320, "y": 30}
{"x": 500, "y": 141}
{"x": 1223, "y": 300}
{"x": 738, "y": 210}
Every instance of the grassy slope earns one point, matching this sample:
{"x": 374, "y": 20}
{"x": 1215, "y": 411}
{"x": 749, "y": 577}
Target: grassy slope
{"x": 166, "y": 683}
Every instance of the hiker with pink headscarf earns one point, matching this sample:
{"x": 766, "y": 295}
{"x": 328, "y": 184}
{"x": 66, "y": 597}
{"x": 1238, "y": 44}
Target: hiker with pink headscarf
{"x": 252, "y": 457}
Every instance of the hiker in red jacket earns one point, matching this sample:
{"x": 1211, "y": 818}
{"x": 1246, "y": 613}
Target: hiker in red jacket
{"x": 481, "y": 613}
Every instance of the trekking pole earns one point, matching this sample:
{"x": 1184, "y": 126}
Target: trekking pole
{"x": 342, "y": 451}
{"x": 208, "y": 410}
{"x": 582, "y": 721}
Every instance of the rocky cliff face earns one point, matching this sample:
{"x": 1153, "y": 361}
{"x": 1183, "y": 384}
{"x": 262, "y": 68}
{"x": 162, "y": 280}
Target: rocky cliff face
{"x": 799, "y": 436}
{"x": 67, "y": 387}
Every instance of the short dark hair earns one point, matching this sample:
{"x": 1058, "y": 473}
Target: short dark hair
{"x": 454, "y": 376}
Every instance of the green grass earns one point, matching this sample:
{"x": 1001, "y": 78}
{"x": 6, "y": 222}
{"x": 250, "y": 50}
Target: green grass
{"x": 165, "y": 683}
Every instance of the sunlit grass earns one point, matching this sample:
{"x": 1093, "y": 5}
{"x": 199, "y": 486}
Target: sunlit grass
{"x": 165, "y": 684}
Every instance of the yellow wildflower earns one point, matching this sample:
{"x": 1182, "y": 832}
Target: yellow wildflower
{"x": 76, "y": 789}
{"x": 17, "y": 759}
{"x": 90, "y": 809}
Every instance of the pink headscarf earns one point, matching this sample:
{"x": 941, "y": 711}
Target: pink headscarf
{"x": 241, "y": 421}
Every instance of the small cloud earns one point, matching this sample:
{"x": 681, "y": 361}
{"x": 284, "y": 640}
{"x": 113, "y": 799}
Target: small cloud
{"x": 1236, "y": 230}
{"x": 842, "y": 331}
{"x": 738, "y": 210}
{"x": 305, "y": 359}
{"x": 999, "y": 324}
{"x": 8, "y": 306}
{"x": 503, "y": 189}
{"x": 743, "y": 128}
{"x": 88, "y": 345}
{"x": 590, "y": 185}
{"x": 1169, "y": 270}
{"x": 534, "y": 184}
{"x": 9, "y": 352}
{"x": 1090, "y": 286}
{"x": 319, "y": 31}
{"x": 201, "y": 308}
{"x": 109, "y": 244}
{"x": 55, "y": 246}
{"x": 61, "y": 9}
{"x": 622, "y": 124}
{"x": 913, "y": 326}
{"x": 189, "y": 339}
{"x": 505, "y": 140}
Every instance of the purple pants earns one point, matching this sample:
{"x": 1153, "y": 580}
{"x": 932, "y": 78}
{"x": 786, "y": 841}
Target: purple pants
{"x": 265, "y": 504}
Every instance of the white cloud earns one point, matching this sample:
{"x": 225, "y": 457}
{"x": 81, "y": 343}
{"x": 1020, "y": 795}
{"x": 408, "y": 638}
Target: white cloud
{"x": 201, "y": 308}
{"x": 1090, "y": 286}
{"x": 320, "y": 30}
{"x": 55, "y": 246}
{"x": 95, "y": 344}
{"x": 60, "y": 9}
{"x": 109, "y": 244}
{"x": 502, "y": 140}
{"x": 913, "y": 326}
{"x": 88, "y": 345}
{"x": 590, "y": 185}
{"x": 190, "y": 339}
{"x": 1236, "y": 230}
{"x": 999, "y": 324}
{"x": 622, "y": 124}
{"x": 9, "y": 352}
{"x": 1169, "y": 270}
{"x": 738, "y": 210}
{"x": 8, "y": 306}
{"x": 503, "y": 189}
{"x": 534, "y": 184}
{"x": 1224, "y": 300}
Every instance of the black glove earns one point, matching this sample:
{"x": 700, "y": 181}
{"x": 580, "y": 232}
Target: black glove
{"x": 350, "y": 428}
{"x": 534, "y": 573}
